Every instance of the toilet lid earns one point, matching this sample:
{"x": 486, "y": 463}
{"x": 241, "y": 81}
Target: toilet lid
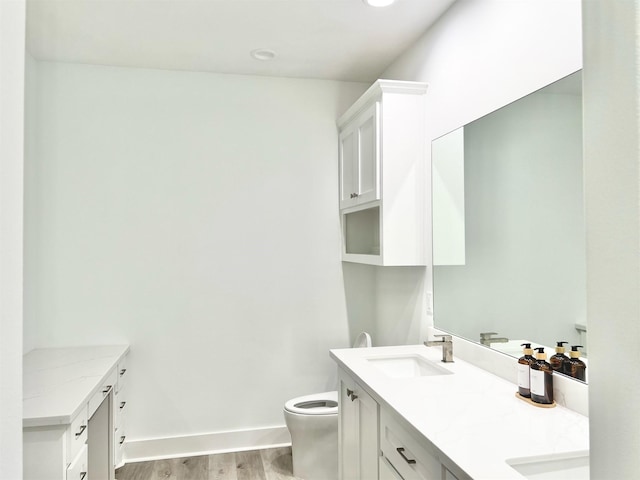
{"x": 325, "y": 403}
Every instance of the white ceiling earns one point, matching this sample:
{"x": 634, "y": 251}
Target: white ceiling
{"x": 330, "y": 39}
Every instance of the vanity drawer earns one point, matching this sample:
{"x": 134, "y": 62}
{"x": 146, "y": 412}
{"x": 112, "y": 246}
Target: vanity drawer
{"x": 411, "y": 459}
{"x": 77, "y": 434}
{"x": 120, "y": 409}
{"x": 78, "y": 468}
{"x": 123, "y": 375}
{"x": 96, "y": 399}
{"x": 119, "y": 438}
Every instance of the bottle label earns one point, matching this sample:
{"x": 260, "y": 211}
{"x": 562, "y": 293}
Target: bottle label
{"x": 537, "y": 383}
{"x": 523, "y": 375}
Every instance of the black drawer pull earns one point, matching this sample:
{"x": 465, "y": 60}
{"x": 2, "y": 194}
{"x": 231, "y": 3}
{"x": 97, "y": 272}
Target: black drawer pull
{"x": 82, "y": 429}
{"x": 106, "y": 389}
{"x": 400, "y": 450}
{"x": 123, "y": 371}
{"x": 122, "y": 439}
{"x": 122, "y": 404}
{"x": 82, "y": 475}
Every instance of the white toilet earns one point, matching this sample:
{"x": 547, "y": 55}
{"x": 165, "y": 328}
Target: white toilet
{"x": 312, "y": 421}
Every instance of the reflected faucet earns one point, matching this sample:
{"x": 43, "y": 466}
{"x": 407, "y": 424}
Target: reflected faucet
{"x": 447, "y": 347}
{"x": 487, "y": 338}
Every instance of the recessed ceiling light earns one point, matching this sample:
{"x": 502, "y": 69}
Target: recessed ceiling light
{"x": 263, "y": 54}
{"x": 379, "y": 3}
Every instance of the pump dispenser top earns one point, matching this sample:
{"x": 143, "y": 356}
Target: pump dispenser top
{"x": 560, "y": 346}
{"x": 575, "y": 353}
{"x": 540, "y": 355}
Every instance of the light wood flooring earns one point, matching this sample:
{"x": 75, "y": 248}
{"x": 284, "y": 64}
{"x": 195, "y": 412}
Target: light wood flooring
{"x": 268, "y": 464}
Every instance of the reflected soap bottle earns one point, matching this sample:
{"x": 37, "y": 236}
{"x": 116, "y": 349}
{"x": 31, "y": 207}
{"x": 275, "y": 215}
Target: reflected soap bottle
{"x": 558, "y": 360}
{"x": 574, "y": 366}
{"x": 541, "y": 379}
{"x": 524, "y": 367}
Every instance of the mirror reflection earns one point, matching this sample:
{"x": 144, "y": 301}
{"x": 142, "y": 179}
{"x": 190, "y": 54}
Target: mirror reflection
{"x": 508, "y": 224}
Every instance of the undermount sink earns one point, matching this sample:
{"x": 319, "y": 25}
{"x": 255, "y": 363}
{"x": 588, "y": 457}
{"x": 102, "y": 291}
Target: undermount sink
{"x": 567, "y": 466}
{"x": 407, "y": 366}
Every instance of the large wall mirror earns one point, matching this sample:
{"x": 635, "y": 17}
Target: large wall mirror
{"x": 508, "y": 224}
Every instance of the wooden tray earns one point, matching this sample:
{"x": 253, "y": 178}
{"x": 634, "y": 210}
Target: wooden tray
{"x": 531, "y": 402}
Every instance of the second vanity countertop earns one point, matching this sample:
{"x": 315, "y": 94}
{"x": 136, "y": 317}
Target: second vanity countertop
{"x": 58, "y": 381}
{"x": 471, "y": 416}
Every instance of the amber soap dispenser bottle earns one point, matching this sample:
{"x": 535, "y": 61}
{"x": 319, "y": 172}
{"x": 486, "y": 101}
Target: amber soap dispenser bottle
{"x": 574, "y": 366}
{"x": 557, "y": 360}
{"x": 524, "y": 367}
{"x": 541, "y": 379}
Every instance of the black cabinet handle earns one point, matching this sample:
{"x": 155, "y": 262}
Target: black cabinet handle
{"x": 82, "y": 429}
{"x": 351, "y": 394}
{"x": 82, "y": 475}
{"x": 400, "y": 450}
{"x": 122, "y": 404}
{"x": 123, "y": 371}
{"x": 122, "y": 439}
{"x": 106, "y": 389}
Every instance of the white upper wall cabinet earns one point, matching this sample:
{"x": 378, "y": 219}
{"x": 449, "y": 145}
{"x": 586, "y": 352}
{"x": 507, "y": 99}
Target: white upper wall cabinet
{"x": 382, "y": 175}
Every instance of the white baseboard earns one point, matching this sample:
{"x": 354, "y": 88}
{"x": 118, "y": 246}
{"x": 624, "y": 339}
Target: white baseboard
{"x": 206, "y": 444}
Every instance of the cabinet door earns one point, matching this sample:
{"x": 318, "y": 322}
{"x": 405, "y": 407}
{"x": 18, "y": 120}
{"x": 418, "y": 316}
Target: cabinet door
{"x": 78, "y": 469}
{"x": 368, "y": 164}
{"x": 359, "y": 159}
{"x": 348, "y": 166}
{"x": 358, "y": 432}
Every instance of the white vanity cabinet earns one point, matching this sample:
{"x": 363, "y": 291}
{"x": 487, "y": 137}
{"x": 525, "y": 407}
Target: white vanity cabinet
{"x": 357, "y": 431}
{"x": 70, "y": 418}
{"x": 382, "y": 167}
{"x": 374, "y": 444}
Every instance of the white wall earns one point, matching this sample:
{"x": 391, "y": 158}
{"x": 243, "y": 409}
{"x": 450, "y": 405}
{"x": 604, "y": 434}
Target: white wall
{"x": 195, "y": 217}
{"x": 612, "y": 188}
{"x": 484, "y": 54}
{"x": 30, "y": 332}
{"x": 12, "y": 53}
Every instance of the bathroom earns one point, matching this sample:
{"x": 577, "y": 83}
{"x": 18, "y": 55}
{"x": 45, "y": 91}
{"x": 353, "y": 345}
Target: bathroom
{"x": 227, "y": 287}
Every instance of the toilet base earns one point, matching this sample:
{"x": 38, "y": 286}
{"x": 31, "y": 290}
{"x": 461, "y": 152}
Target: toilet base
{"x": 314, "y": 445}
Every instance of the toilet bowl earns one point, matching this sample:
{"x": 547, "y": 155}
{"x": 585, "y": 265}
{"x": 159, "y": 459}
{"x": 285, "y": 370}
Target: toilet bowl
{"x": 312, "y": 421}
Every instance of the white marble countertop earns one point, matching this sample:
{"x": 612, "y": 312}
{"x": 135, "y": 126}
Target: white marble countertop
{"x": 472, "y": 417}
{"x": 57, "y": 382}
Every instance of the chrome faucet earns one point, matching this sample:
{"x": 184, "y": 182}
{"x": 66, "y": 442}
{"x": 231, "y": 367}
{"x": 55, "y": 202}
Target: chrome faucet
{"x": 447, "y": 347}
{"x": 487, "y": 338}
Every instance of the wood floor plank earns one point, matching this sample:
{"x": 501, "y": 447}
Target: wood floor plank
{"x": 249, "y": 466}
{"x": 268, "y": 464}
{"x": 135, "y": 471}
{"x": 277, "y": 463}
{"x": 222, "y": 466}
{"x": 194, "y": 468}
{"x": 166, "y": 469}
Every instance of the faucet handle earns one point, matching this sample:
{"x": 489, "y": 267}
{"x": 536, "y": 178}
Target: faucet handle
{"x": 487, "y": 334}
